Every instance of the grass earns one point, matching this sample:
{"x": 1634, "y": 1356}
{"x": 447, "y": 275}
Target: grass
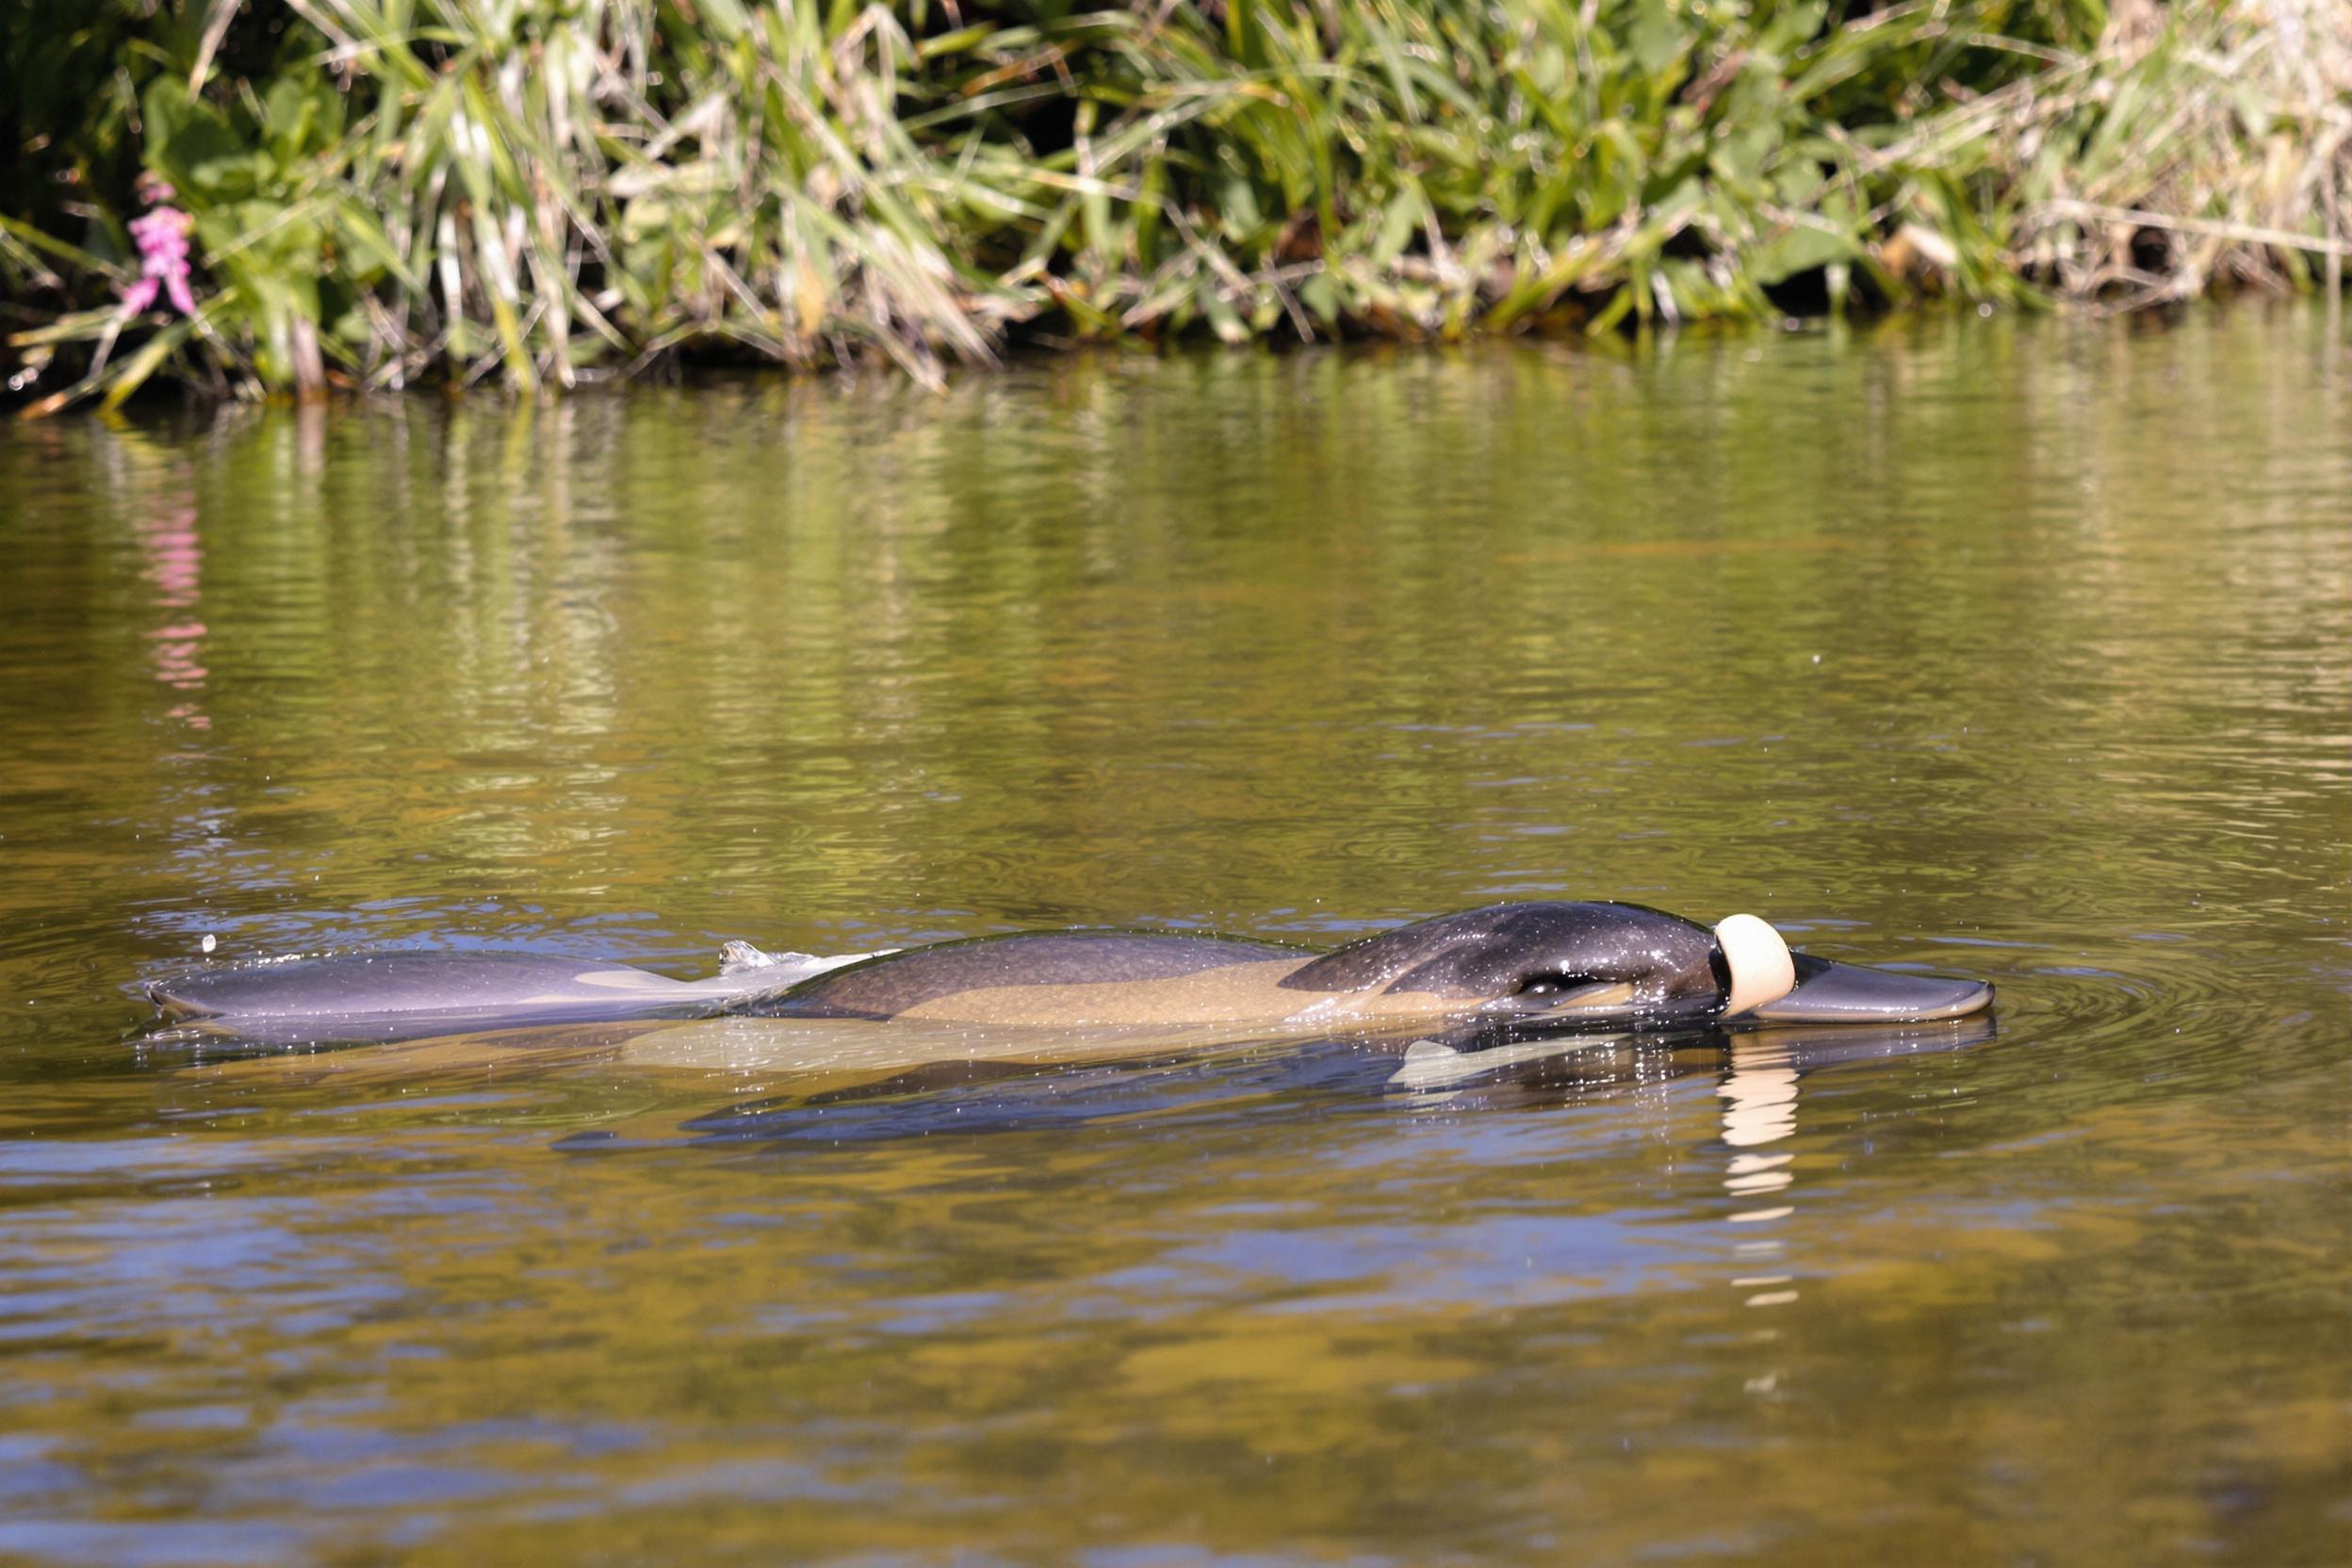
{"x": 393, "y": 192}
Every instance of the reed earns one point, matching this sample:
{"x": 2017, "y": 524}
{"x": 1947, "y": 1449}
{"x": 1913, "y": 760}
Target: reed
{"x": 381, "y": 193}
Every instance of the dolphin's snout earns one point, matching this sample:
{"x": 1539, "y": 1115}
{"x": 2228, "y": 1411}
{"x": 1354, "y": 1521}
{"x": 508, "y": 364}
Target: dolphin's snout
{"x": 1831, "y": 993}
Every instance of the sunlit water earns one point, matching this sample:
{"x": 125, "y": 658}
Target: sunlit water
{"x": 2015, "y": 650}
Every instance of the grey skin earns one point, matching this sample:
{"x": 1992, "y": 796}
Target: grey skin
{"x": 406, "y": 995}
{"x": 1506, "y": 969}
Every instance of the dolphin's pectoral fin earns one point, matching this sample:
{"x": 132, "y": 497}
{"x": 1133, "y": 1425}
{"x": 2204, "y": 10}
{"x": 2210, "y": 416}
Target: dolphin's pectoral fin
{"x": 1433, "y": 1064}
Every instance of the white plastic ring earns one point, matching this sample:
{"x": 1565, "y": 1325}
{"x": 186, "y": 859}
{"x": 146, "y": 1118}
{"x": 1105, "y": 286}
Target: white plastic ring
{"x": 1761, "y": 970}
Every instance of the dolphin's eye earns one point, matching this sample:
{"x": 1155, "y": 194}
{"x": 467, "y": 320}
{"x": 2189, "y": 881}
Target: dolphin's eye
{"x": 1550, "y": 984}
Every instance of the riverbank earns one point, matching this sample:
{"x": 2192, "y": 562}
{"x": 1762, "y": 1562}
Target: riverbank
{"x": 378, "y": 194}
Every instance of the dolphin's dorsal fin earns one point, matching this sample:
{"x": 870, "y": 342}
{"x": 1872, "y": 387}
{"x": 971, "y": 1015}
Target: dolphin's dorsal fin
{"x": 784, "y": 969}
{"x": 736, "y": 957}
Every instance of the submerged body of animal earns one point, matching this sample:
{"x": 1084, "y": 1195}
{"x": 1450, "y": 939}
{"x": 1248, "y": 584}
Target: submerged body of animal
{"x": 1511, "y": 967}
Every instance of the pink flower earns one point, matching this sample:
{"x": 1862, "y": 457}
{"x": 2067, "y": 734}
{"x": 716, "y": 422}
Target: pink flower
{"x": 162, "y": 237}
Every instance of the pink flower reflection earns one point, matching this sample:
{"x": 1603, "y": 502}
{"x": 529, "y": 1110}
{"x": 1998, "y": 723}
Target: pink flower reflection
{"x": 174, "y": 563}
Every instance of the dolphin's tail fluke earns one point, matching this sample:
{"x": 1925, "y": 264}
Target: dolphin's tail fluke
{"x": 408, "y": 994}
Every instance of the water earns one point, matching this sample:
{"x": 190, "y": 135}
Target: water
{"x": 2010, "y": 649}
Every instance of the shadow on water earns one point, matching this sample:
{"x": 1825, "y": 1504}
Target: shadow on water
{"x": 1292, "y": 1082}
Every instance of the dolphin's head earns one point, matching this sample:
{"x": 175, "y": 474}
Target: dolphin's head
{"x": 1621, "y": 965}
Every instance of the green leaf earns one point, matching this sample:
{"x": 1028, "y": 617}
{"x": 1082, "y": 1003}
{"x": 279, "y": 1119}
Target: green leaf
{"x": 1658, "y": 39}
{"x": 1321, "y": 299}
{"x": 364, "y": 236}
{"x": 189, "y": 142}
{"x": 1798, "y": 250}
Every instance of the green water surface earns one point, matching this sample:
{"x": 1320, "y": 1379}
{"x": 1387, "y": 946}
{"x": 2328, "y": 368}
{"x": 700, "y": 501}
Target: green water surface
{"x": 2000, "y": 649}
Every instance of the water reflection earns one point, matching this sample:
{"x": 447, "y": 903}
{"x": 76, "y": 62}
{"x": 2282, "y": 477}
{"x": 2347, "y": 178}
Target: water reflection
{"x": 1758, "y": 1078}
{"x": 175, "y": 559}
{"x": 158, "y": 494}
{"x": 2002, "y": 648}
{"x": 1760, "y": 1094}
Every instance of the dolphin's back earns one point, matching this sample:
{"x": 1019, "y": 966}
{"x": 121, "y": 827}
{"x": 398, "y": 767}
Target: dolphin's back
{"x": 897, "y": 982}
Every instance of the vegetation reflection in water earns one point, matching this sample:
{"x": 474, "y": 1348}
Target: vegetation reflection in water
{"x": 1291, "y": 648}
